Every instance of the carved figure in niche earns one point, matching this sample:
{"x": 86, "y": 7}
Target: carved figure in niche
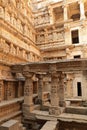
{"x": 1, "y": 12}
{"x": 60, "y": 36}
{"x": 14, "y": 50}
{"x": 21, "y": 28}
{"x": 26, "y": 91}
{"x": 42, "y": 19}
{"x": 50, "y": 36}
{"x": 18, "y": 23}
{"x": 42, "y": 38}
{"x": 6, "y": 47}
{"x": 39, "y": 20}
{"x": 7, "y": 15}
{"x": 4, "y": 2}
{"x": 2, "y": 44}
{"x": 25, "y": 29}
{"x": 47, "y": 19}
{"x": 38, "y": 38}
{"x": 52, "y": 111}
{"x": 12, "y": 18}
{"x": 19, "y": 4}
{"x": 36, "y": 21}
{"x": 8, "y": 92}
{"x": 55, "y": 36}
{"x": 14, "y": 21}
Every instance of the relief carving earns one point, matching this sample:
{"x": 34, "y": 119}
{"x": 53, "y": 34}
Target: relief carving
{"x": 7, "y": 15}
{"x": 50, "y": 37}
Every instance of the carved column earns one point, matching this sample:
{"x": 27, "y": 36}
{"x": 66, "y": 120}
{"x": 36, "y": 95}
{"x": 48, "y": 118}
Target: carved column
{"x": 65, "y": 12}
{"x": 61, "y": 89}
{"x": 28, "y": 91}
{"x": 54, "y": 109}
{"x": 82, "y": 10}
{"x": 19, "y": 94}
{"x": 47, "y": 86}
{"x": 8, "y": 91}
{"x": 40, "y": 88}
{"x": 51, "y": 15}
{"x": 46, "y": 35}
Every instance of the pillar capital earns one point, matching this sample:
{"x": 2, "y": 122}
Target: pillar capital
{"x": 52, "y": 69}
{"x": 27, "y": 73}
{"x": 40, "y": 75}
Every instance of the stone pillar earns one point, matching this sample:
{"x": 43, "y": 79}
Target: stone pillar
{"x": 12, "y": 18}
{"x": 46, "y": 35}
{"x": 61, "y": 89}
{"x": 8, "y": 91}
{"x": 40, "y": 88}
{"x": 51, "y": 15}
{"x": 19, "y": 89}
{"x": 54, "y": 108}
{"x": 82, "y": 10}
{"x": 47, "y": 86}
{"x": 65, "y": 12}
{"x": 28, "y": 91}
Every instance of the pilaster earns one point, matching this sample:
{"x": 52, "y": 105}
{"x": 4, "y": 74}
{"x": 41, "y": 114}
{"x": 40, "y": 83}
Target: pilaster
{"x": 65, "y": 12}
{"x": 40, "y": 88}
{"x": 82, "y": 10}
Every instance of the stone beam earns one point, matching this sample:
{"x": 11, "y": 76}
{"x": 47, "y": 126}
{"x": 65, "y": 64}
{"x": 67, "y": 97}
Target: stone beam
{"x": 64, "y": 66}
{"x": 40, "y": 88}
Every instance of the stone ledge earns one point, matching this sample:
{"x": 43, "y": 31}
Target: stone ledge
{"x": 10, "y": 116}
{"x": 76, "y": 110}
{"x": 50, "y": 125}
{"x": 5, "y": 103}
{"x": 73, "y": 117}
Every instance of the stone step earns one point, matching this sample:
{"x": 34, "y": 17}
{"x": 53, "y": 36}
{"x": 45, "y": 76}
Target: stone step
{"x": 76, "y": 110}
{"x": 50, "y": 125}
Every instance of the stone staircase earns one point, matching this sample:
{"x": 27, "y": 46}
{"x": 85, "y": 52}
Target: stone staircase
{"x": 76, "y": 110}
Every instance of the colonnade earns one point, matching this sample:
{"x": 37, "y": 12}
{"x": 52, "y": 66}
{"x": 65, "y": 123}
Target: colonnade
{"x": 57, "y": 89}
